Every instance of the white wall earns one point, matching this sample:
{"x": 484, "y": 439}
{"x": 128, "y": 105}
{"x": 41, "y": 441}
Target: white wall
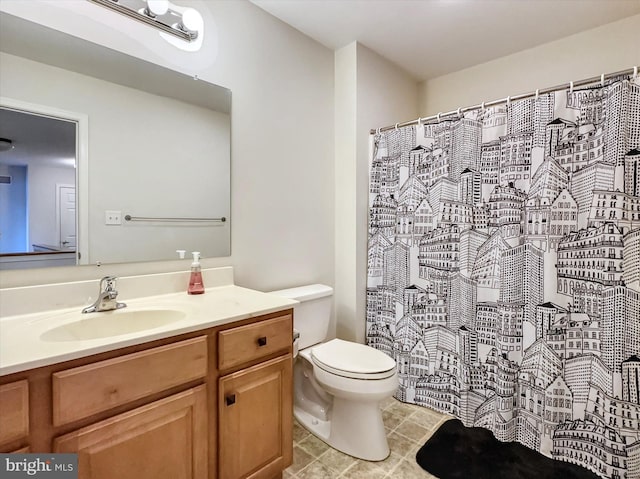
{"x": 346, "y": 173}
{"x": 42, "y": 194}
{"x": 606, "y": 49}
{"x": 13, "y": 210}
{"x": 370, "y": 92}
{"x": 282, "y": 135}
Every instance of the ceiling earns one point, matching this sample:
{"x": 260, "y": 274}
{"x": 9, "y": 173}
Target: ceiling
{"x": 37, "y": 139}
{"x": 430, "y": 38}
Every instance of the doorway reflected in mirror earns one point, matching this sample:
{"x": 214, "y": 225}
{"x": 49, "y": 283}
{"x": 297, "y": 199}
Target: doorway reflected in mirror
{"x": 38, "y": 192}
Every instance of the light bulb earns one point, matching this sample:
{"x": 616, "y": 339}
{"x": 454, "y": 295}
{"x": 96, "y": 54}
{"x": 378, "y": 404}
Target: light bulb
{"x": 157, "y": 7}
{"x": 191, "y": 20}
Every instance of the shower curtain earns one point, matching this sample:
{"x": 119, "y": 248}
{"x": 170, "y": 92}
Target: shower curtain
{"x": 504, "y": 270}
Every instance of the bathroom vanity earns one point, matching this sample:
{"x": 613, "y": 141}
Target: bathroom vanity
{"x": 208, "y": 395}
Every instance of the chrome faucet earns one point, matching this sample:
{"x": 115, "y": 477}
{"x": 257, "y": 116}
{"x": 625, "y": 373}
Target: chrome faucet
{"x": 106, "y": 298}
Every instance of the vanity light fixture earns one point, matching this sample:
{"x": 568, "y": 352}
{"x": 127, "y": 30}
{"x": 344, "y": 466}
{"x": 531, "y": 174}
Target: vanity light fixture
{"x": 184, "y": 23}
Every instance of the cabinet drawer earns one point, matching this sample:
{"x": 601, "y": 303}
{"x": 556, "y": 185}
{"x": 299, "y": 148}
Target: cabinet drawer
{"x": 86, "y": 390}
{"x": 14, "y": 411}
{"x": 254, "y": 341}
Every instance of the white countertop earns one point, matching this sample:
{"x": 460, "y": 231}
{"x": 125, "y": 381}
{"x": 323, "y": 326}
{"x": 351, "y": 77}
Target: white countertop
{"x": 23, "y": 347}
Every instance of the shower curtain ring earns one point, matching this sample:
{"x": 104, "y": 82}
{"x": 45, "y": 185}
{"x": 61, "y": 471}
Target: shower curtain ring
{"x": 378, "y": 131}
{"x": 396, "y": 127}
{"x": 459, "y": 111}
{"x": 602, "y": 80}
{"x": 537, "y": 93}
{"x": 419, "y": 121}
{"x": 482, "y": 106}
{"x": 570, "y": 87}
{"x": 438, "y": 116}
{"x": 635, "y": 72}
{"x": 509, "y": 100}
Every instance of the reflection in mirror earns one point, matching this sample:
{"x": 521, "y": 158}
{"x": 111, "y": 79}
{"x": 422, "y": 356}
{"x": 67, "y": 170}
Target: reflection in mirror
{"x": 38, "y": 188}
{"x": 157, "y": 149}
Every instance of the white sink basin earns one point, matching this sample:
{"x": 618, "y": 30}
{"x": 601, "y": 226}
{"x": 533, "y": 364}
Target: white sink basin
{"x": 111, "y": 323}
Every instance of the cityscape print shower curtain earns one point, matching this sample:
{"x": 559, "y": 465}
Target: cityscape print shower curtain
{"x": 504, "y": 270}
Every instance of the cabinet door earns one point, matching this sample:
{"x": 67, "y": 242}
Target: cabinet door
{"x": 14, "y": 411}
{"x": 256, "y": 420}
{"x": 166, "y": 439}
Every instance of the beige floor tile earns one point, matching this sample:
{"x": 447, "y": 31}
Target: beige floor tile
{"x": 390, "y": 462}
{"x": 299, "y": 432}
{"x": 414, "y": 449}
{"x": 288, "y": 474}
{"x": 313, "y": 445}
{"x": 390, "y": 420}
{"x": 399, "y": 444}
{"x": 336, "y": 460}
{"x": 316, "y": 470}
{"x": 301, "y": 459}
{"x": 411, "y": 430}
{"x": 364, "y": 470}
{"x": 399, "y": 409}
{"x": 409, "y": 469}
{"x": 428, "y": 418}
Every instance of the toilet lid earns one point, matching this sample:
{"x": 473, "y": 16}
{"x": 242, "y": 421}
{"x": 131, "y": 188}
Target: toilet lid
{"x": 353, "y": 360}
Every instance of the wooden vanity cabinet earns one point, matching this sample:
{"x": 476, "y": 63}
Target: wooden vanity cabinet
{"x": 14, "y": 416}
{"x": 159, "y": 410}
{"x": 255, "y": 402}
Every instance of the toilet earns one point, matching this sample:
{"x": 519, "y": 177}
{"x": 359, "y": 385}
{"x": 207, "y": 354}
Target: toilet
{"x": 338, "y": 385}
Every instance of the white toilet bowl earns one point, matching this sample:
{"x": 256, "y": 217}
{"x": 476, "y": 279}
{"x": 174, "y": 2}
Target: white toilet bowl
{"x": 338, "y": 386}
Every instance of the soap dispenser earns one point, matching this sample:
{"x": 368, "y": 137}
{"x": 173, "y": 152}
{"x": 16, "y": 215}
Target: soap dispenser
{"x": 195, "y": 279}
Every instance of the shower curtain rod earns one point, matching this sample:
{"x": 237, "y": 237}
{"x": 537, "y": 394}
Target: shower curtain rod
{"x": 542, "y": 91}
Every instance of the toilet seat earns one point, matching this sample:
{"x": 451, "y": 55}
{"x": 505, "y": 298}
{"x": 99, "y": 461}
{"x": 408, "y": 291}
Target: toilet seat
{"x": 353, "y": 360}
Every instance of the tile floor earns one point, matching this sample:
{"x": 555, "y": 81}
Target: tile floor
{"x": 408, "y": 427}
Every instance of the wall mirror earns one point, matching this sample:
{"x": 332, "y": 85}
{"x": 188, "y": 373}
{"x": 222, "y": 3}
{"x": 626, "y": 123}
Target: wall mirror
{"x": 109, "y": 159}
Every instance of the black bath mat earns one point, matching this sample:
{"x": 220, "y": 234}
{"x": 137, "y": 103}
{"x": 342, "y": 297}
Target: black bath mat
{"x": 458, "y": 452}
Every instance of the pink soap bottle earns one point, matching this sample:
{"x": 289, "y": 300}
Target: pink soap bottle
{"x": 196, "y": 286}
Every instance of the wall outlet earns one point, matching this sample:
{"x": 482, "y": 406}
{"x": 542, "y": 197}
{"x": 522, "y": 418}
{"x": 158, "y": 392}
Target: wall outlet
{"x": 112, "y": 217}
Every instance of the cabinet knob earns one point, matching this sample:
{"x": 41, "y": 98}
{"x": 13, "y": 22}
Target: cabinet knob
{"x": 230, "y": 399}
{"x": 262, "y": 341}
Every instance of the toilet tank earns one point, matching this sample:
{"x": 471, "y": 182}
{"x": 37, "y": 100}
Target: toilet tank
{"x": 312, "y": 316}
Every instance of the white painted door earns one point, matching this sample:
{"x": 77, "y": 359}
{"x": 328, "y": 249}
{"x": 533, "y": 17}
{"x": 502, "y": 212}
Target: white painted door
{"x": 67, "y": 215}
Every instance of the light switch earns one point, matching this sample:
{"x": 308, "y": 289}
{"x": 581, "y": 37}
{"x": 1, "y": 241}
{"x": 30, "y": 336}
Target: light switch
{"x": 112, "y": 217}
